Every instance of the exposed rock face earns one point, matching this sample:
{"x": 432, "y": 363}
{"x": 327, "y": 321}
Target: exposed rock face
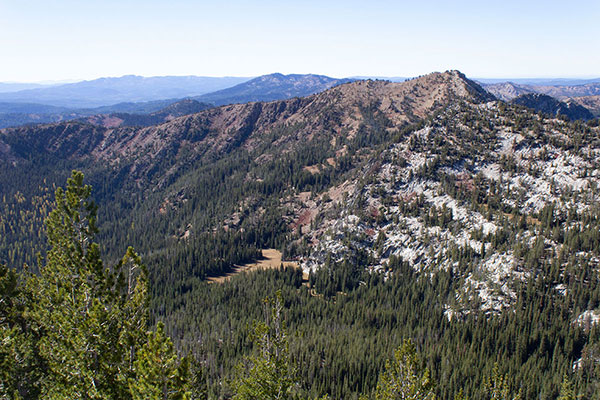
{"x": 550, "y": 105}
{"x": 410, "y": 205}
{"x": 430, "y": 170}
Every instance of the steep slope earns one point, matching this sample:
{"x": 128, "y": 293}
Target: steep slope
{"x": 487, "y": 191}
{"x": 337, "y": 113}
{"x": 272, "y": 87}
{"x": 550, "y": 105}
{"x": 219, "y": 160}
{"x": 431, "y": 170}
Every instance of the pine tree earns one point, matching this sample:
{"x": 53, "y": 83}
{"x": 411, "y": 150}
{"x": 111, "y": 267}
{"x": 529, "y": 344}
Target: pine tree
{"x": 71, "y": 301}
{"x": 567, "y": 391}
{"x": 91, "y": 319}
{"x": 403, "y": 378}
{"x": 132, "y": 308}
{"x": 199, "y": 379}
{"x": 159, "y": 374}
{"x": 20, "y": 366}
{"x": 498, "y": 388}
{"x": 9, "y": 333}
{"x": 78, "y": 330}
{"x": 460, "y": 395}
{"x": 268, "y": 374}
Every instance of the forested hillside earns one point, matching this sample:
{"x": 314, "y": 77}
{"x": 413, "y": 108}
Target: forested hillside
{"x": 423, "y": 210}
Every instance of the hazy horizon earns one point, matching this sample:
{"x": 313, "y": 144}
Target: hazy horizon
{"x": 477, "y": 78}
{"x": 74, "y": 40}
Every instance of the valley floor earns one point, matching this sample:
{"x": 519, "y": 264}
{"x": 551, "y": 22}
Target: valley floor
{"x": 271, "y": 260}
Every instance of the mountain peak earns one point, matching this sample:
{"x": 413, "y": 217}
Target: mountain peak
{"x": 270, "y": 87}
{"x": 338, "y": 111}
{"x": 413, "y": 99}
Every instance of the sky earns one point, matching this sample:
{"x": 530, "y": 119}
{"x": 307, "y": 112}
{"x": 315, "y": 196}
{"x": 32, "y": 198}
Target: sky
{"x": 54, "y": 40}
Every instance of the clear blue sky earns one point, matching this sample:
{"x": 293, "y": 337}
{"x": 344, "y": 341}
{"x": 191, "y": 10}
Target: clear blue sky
{"x": 86, "y": 39}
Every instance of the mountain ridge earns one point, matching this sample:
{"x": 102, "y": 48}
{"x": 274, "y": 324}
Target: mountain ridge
{"x": 172, "y": 111}
{"x": 264, "y": 88}
{"x": 372, "y": 152}
{"x": 549, "y": 105}
{"x": 509, "y": 90}
{"x": 128, "y": 88}
{"x": 477, "y": 217}
{"x": 440, "y": 137}
{"x": 404, "y": 103}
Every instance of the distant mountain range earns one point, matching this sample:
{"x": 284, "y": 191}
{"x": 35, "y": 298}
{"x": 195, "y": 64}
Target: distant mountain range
{"x": 264, "y": 88}
{"x": 540, "y": 81}
{"x": 509, "y": 90}
{"x": 592, "y": 103}
{"x": 576, "y": 99}
{"x": 129, "y": 97}
{"x": 14, "y": 87}
{"x": 16, "y": 114}
{"x": 130, "y": 88}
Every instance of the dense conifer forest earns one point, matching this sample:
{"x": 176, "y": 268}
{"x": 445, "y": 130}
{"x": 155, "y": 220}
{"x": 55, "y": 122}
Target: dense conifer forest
{"x": 81, "y": 329}
{"x": 85, "y": 316}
